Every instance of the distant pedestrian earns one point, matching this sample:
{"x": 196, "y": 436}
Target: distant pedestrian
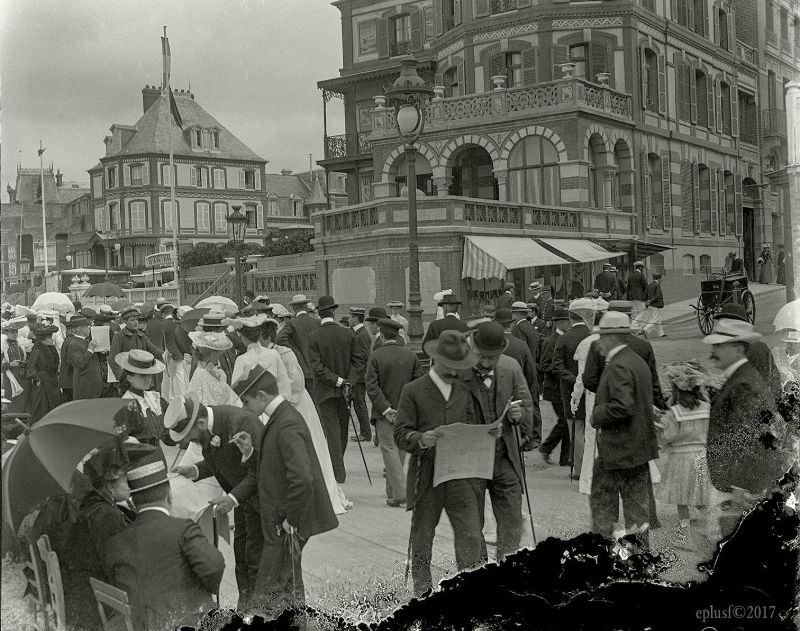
{"x": 362, "y": 344}
{"x": 88, "y": 379}
{"x": 507, "y": 297}
{"x": 654, "y": 303}
{"x": 41, "y": 369}
{"x": 765, "y": 265}
{"x": 781, "y": 266}
{"x": 394, "y": 313}
{"x": 15, "y": 385}
{"x": 451, "y": 321}
{"x": 295, "y": 334}
{"x": 606, "y": 283}
{"x": 551, "y": 390}
{"x": 637, "y": 293}
{"x": 540, "y": 295}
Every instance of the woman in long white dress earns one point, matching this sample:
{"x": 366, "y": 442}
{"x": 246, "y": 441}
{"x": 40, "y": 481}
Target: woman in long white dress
{"x": 209, "y": 380}
{"x": 258, "y": 355}
{"x": 302, "y": 402}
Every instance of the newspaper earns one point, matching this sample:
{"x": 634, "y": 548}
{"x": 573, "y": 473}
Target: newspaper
{"x": 101, "y": 337}
{"x": 205, "y": 519}
{"x": 464, "y": 451}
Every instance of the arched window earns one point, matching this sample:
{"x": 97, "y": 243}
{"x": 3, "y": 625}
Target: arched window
{"x": 533, "y": 172}
{"x": 705, "y": 264}
{"x": 701, "y": 92}
{"x": 705, "y": 197}
{"x": 651, "y": 79}
{"x": 687, "y": 264}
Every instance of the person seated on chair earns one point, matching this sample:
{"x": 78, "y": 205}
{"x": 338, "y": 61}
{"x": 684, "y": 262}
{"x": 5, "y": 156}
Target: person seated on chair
{"x": 166, "y": 565}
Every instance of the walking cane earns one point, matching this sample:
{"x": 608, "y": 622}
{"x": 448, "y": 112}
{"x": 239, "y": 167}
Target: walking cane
{"x": 215, "y": 537}
{"x": 358, "y": 439}
{"x": 572, "y": 450}
{"x": 524, "y": 480}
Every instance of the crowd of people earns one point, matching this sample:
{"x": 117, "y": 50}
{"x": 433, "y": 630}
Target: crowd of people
{"x": 268, "y": 396}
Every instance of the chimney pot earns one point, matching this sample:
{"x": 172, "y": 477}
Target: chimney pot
{"x": 150, "y": 95}
{"x": 59, "y": 179}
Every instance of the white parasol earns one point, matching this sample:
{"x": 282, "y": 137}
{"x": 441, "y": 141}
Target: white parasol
{"x": 218, "y": 303}
{"x": 53, "y": 301}
{"x": 788, "y": 316}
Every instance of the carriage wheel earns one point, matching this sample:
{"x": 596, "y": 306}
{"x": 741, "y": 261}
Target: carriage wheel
{"x": 749, "y": 303}
{"x": 705, "y": 320}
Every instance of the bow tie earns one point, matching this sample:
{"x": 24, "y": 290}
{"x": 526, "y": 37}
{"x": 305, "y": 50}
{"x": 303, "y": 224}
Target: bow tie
{"x": 486, "y": 377}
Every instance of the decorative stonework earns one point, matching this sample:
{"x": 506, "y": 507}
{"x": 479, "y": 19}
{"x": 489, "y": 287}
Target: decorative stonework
{"x": 511, "y": 31}
{"x": 423, "y": 148}
{"x": 449, "y": 50}
{"x": 587, "y": 23}
{"x": 644, "y": 29}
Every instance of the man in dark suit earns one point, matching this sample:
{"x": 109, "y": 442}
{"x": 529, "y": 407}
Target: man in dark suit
{"x": 153, "y": 326}
{"x": 65, "y": 369}
{"x": 330, "y": 354}
{"x": 127, "y": 339}
{"x": 88, "y": 381}
{"x": 293, "y": 501}
{"x": 389, "y": 369}
{"x": 505, "y": 300}
{"x": 435, "y": 399}
{"x": 541, "y": 297}
{"x": 295, "y": 334}
{"x": 606, "y": 283}
{"x": 451, "y": 321}
{"x": 189, "y": 421}
{"x": 745, "y": 433}
{"x": 522, "y": 328}
{"x": 626, "y": 437}
{"x": 362, "y": 344}
{"x": 637, "y": 290}
{"x": 167, "y": 566}
{"x": 495, "y": 381}
{"x": 551, "y": 387}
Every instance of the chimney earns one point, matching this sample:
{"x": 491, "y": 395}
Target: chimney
{"x": 150, "y": 94}
{"x": 12, "y": 194}
{"x": 59, "y": 179}
{"x": 286, "y": 171}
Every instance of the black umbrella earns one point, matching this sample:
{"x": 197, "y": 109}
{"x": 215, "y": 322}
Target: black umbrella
{"x": 105, "y": 290}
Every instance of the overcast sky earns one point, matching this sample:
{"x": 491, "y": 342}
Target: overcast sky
{"x": 72, "y": 68}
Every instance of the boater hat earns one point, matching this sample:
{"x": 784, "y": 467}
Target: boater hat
{"x": 519, "y": 306}
{"x": 299, "y": 299}
{"x": 727, "y": 330}
{"x": 395, "y": 303}
{"x": 535, "y": 285}
{"x": 450, "y": 349}
{"x": 181, "y": 415}
{"x": 139, "y": 361}
{"x": 149, "y": 471}
{"x": 249, "y": 380}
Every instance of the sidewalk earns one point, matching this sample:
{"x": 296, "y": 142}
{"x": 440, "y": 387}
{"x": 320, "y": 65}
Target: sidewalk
{"x": 677, "y": 312}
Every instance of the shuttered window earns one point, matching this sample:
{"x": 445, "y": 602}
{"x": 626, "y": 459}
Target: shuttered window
{"x": 704, "y": 201}
{"x": 649, "y": 79}
{"x": 666, "y": 191}
{"x": 684, "y": 92}
{"x": 167, "y": 215}
{"x": 701, "y": 97}
{"x": 220, "y": 213}
{"x": 725, "y": 107}
{"x": 138, "y": 216}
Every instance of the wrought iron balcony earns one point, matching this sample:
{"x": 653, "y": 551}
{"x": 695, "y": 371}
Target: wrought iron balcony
{"x": 773, "y": 122}
{"x": 541, "y": 99}
{"x": 346, "y": 145}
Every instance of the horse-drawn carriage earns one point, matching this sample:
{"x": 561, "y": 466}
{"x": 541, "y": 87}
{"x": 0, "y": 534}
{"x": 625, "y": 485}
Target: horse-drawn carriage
{"x": 720, "y": 289}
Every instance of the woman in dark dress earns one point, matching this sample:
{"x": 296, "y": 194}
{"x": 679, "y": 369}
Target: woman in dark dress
{"x": 42, "y": 373}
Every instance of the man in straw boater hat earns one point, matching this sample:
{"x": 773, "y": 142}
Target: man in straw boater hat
{"x": 541, "y": 297}
{"x": 494, "y": 382}
{"x": 439, "y": 398}
{"x": 293, "y": 500}
{"x": 626, "y": 437}
{"x": 213, "y": 428}
{"x": 166, "y": 565}
{"x": 390, "y": 368}
{"x": 146, "y": 420}
{"x": 330, "y": 352}
{"x": 747, "y": 444}
{"x": 295, "y": 335}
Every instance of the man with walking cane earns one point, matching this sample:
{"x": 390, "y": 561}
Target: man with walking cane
{"x": 500, "y": 393}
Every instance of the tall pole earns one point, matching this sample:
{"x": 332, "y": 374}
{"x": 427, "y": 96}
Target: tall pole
{"x": 167, "y": 90}
{"x": 414, "y": 296}
{"x": 44, "y": 216}
{"x": 237, "y": 255}
{"x": 791, "y": 235}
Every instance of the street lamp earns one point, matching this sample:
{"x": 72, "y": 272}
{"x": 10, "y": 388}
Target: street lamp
{"x": 409, "y": 95}
{"x": 237, "y": 223}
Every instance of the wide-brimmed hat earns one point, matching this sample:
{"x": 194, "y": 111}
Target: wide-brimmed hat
{"x": 107, "y": 310}
{"x": 621, "y": 306}
{"x": 15, "y": 324}
{"x": 613, "y": 322}
{"x": 792, "y": 337}
{"x": 731, "y": 311}
{"x": 535, "y": 285}
{"x": 451, "y": 349}
{"x": 581, "y": 304}
{"x": 388, "y": 323}
{"x": 395, "y": 304}
{"x": 519, "y": 306}
{"x": 279, "y": 311}
{"x": 326, "y": 303}
{"x": 78, "y": 320}
{"x": 299, "y": 299}
{"x": 727, "y": 330}
{"x": 161, "y": 302}
{"x": 130, "y": 312}
{"x": 214, "y": 340}
{"x": 503, "y": 316}
{"x": 211, "y": 321}
{"x": 44, "y": 331}
{"x": 249, "y": 380}
{"x": 450, "y": 299}
{"x": 181, "y": 415}
{"x": 138, "y": 361}
{"x": 490, "y": 337}
{"x": 258, "y": 306}
{"x": 248, "y": 322}
{"x": 150, "y": 471}
{"x": 686, "y": 375}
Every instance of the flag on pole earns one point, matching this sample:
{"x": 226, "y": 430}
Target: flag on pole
{"x": 173, "y": 106}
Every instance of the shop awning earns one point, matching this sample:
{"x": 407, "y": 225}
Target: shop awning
{"x": 491, "y": 257}
{"x": 580, "y": 250}
{"x": 643, "y": 248}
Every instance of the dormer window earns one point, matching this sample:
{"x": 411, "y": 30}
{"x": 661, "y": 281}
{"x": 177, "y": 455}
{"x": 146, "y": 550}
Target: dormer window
{"x": 198, "y": 137}
{"x": 215, "y": 139}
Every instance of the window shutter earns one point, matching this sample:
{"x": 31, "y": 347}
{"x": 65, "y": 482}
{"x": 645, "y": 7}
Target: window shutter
{"x": 438, "y": 26}
{"x": 382, "y": 38}
{"x": 703, "y": 30}
{"x": 692, "y": 93}
{"x": 126, "y": 170}
{"x": 722, "y": 204}
{"x": 145, "y": 173}
{"x": 644, "y": 77}
{"x": 731, "y": 28}
{"x": 718, "y": 108}
{"x": 695, "y": 198}
{"x": 241, "y": 178}
{"x": 674, "y": 10}
{"x": 456, "y": 12}
{"x": 530, "y": 58}
{"x": 416, "y": 30}
{"x": 460, "y": 76}
{"x": 260, "y": 217}
{"x": 644, "y": 169}
{"x": 258, "y": 179}
{"x": 710, "y": 102}
{"x": 714, "y": 202}
{"x": 737, "y": 204}
{"x": 108, "y": 183}
{"x": 666, "y": 191}
{"x": 690, "y": 17}
{"x": 598, "y": 59}
{"x": 686, "y": 196}
{"x": 734, "y": 111}
{"x": 662, "y": 84}
{"x": 481, "y": 8}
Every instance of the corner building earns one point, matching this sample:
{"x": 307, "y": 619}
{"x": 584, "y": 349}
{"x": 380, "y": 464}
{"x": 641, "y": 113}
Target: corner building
{"x": 628, "y": 124}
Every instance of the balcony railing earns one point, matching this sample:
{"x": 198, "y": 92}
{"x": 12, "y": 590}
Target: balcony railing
{"x": 399, "y": 48}
{"x": 500, "y": 105}
{"x": 501, "y": 6}
{"x": 346, "y": 145}
{"x": 746, "y": 53}
{"x": 773, "y": 122}
{"x": 465, "y": 214}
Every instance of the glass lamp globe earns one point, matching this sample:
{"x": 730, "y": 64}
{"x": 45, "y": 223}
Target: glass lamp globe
{"x": 408, "y": 120}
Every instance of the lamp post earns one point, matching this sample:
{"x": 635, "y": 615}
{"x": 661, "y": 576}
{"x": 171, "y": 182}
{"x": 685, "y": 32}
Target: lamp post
{"x": 68, "y": 259}
{"x": 410, "y": 95}
{"x": 24, "y": 269}
{"x": 237, "y": 223}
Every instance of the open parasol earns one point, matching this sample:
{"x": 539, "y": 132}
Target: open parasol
{"x": 105, "y": 290}
{"x": 53, "y": 301}
{"x": 190, "y": 319}
{"x": 218, "y": 303}
{"x": 788, "y": 316}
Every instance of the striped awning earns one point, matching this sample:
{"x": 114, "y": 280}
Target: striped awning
{"x": 580, "y": 250}
{"x": 492, "y": 257}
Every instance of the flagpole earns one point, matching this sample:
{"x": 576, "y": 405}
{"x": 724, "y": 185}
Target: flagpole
{"x": 44, "y": 215}
{"x": 173, "y": 206}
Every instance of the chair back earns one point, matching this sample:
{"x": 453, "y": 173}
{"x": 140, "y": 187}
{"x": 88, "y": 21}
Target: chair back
{"x": 117, "y": 599}
{"x": 56, "y": 607}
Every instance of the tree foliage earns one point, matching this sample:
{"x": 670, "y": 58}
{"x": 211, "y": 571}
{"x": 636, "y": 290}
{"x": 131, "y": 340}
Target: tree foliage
{"x": 211, "y": 253}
